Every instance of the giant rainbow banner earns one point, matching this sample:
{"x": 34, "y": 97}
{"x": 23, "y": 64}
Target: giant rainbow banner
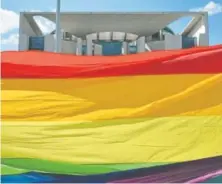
{"x": 149, "y": 117}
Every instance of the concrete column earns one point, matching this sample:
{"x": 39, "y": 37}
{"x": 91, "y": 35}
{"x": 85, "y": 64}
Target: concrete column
{"x": 58, "y": 28}
{"x": 124, "y": 48}
{"x": 79, "y": 46}
{"x": 161, "y": 35}
{"x": 23, "y": 42}
{"x": 49, "y": 43}
{"x": 89, "y": 45}
{"x": 141, "y": 44}
{"x": 206, "y": 25}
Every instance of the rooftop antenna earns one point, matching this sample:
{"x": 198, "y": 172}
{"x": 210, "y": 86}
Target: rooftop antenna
{"x": 58, "y": 29}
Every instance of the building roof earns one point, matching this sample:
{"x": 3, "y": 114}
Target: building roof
{"x": 142, "y": 24}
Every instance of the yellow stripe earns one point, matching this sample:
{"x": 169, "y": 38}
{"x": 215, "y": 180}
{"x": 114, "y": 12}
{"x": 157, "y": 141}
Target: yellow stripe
{"x": 163, "y": 139}
{"x": 108, "y": 98}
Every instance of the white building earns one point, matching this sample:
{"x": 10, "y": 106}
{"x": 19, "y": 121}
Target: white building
{"x": 113, "y": 33}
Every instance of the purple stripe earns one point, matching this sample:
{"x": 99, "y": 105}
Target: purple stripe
{"x": 186, "y": 172}
{"x": 206, "y": 177}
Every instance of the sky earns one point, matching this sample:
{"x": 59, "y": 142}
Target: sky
{"x": 9, "y": 13}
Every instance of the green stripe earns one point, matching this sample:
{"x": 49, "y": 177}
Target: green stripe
{"x": 7, "y": 170}
{"x": 68, "y": 168}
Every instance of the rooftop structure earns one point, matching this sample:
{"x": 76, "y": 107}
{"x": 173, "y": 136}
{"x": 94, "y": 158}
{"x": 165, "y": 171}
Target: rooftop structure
{"x": 113, "y": 33}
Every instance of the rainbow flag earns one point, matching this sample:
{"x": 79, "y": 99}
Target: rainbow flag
{"x": 149, "y": 117}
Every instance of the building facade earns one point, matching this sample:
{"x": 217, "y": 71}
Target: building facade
{"x": 113, "y": 33}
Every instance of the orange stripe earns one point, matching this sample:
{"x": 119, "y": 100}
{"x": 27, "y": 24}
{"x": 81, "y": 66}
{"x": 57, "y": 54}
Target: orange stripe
{"x": 108, "y": 98}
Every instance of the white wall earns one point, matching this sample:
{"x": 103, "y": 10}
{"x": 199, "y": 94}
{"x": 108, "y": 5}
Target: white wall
{"x": 197, "y": 29}
{"x": 173, "y": 42}
{"x": 25, "y": 31}
{"x": 97, "y": 49}
{"x": 201, "y": 31}
{"x": 49, "y": 43}
{"x": 156, "y": 45}
{"x": 68, "y": 47}
{"x": 23, "y": 42}
{"x": 202, "y": 40}
{"x": 24, "y": 26}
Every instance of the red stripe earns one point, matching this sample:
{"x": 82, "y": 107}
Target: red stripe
{"x": 50, "y": 65}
